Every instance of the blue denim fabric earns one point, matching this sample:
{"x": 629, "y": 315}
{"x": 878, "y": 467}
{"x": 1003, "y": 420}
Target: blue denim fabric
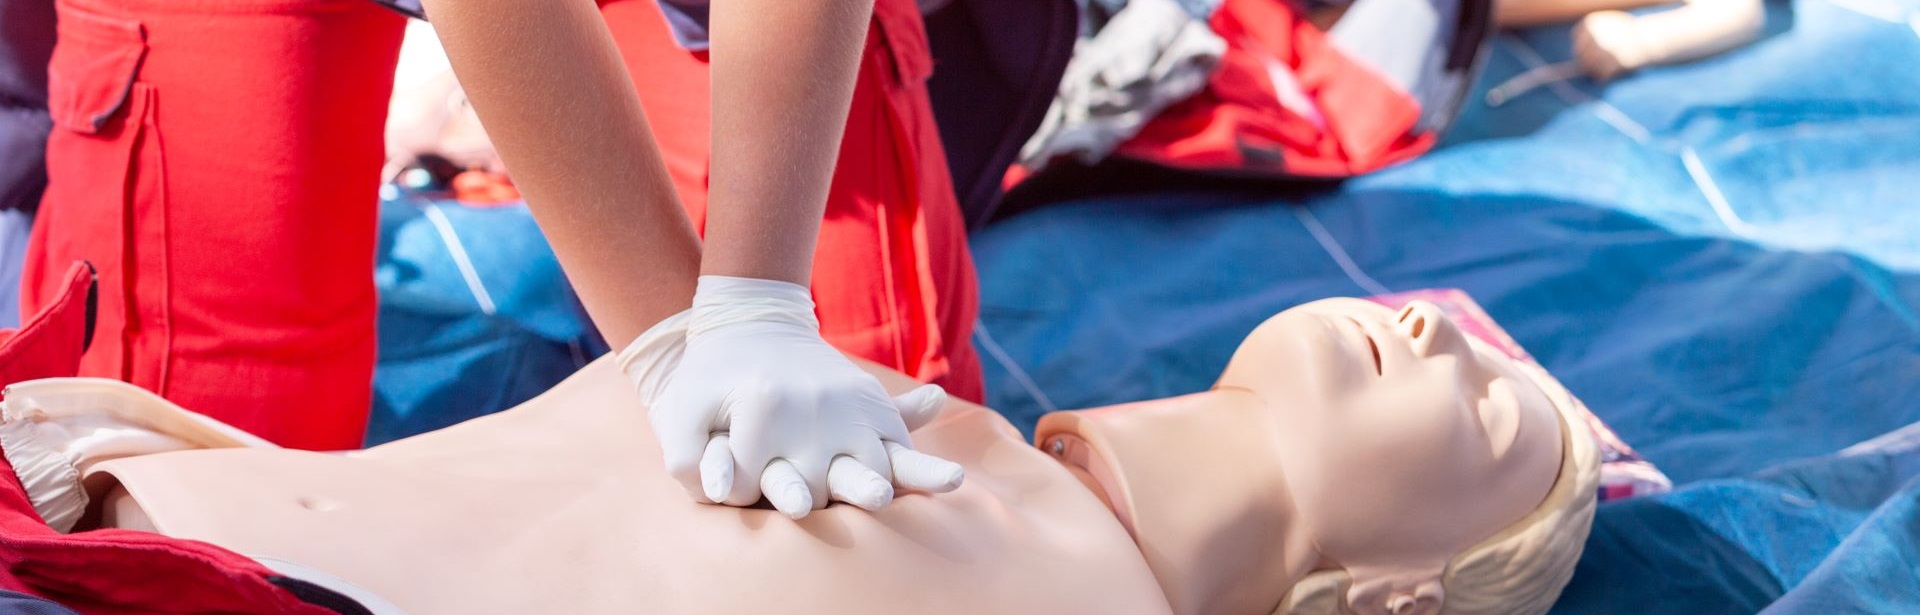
{"x": 453, "y": 347}
{"x": 16, "y": 603}
{"x": 1827, "y": 535}
{"x": 1720, "y": 258}
{"x": 688, "y": 20}
{"x": 15, "y": 226}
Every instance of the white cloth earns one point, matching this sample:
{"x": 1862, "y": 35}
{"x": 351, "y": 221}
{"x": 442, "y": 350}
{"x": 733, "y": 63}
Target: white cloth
{"x": 53, "y": 430}
{"x": 747, "y": 400}
{"x": 1405, "y": 43}
{"x": 1148, "y": 56}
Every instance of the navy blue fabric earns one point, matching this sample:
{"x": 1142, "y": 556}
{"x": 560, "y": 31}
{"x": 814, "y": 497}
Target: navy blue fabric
{"x": 997, "y": 65}
{"x": 1722, "y": 259}
{"x": 687, "y": 19}
{"x": 410, "y": 8}
{"x": 26, "y": 44}
{"x": 16, "y": 603}
{"x": 443, "y": 357}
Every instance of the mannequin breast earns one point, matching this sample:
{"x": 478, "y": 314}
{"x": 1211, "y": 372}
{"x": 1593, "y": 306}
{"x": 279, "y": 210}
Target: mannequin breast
{"x": 561, "y": 505}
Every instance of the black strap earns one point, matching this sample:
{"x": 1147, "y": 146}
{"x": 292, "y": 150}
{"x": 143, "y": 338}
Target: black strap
{"x": 93, "y": 305}
{"x": 320, "y": 596}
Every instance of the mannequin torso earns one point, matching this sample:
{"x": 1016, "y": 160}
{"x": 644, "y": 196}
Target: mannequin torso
{"x": 560, "y": 505}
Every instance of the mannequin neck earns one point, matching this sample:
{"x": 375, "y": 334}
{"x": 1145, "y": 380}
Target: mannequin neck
{"x": 1197, "y": 481}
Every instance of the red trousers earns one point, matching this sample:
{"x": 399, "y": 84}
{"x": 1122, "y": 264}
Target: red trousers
{"x": 217, "y": 161}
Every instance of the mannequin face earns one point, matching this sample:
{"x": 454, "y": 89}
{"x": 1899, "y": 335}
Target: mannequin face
{"x": 1403, "y": 442}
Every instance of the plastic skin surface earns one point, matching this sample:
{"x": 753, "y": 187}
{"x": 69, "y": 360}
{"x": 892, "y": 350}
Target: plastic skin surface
{"x": 1341, "y": 435}
{"x": 561, "y": 506}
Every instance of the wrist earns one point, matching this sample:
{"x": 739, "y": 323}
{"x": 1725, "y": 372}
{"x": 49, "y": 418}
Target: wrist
{"x": 719, "y": 301}
{"x": 652, "y": 357}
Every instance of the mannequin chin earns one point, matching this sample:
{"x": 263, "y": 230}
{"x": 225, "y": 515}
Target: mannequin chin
{"x": 1350, "y": 459}
{"x": 1343, "y": 440}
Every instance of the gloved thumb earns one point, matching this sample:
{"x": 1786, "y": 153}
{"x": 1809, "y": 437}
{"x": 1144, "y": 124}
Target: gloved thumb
{"x": 921, "y": 405}
{"x": 652, "y": 358}
{"x": 684, "y": 442}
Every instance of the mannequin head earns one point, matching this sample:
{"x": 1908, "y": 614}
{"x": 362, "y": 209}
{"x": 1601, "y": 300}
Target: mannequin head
{"x": 1404, "y": 449}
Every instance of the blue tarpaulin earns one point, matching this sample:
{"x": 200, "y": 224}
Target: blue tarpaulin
{"x": 1722, "y": 259}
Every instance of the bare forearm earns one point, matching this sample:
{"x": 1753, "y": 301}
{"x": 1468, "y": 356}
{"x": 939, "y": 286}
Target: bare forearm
{"x": 548, "y": 84}
{"x": 1530, "y": 13}
{"x": 1700, "y": 29}
{"x": 783, "y": 75}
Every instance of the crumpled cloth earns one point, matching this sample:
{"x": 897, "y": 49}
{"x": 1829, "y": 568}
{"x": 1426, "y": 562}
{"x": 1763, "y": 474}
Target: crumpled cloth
{"x": 1148, "y": 55}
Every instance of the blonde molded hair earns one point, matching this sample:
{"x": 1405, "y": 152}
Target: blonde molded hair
{"x": 1521, "y": 569}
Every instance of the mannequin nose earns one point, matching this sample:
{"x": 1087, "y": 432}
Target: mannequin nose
{"x": 1426, "y": 327}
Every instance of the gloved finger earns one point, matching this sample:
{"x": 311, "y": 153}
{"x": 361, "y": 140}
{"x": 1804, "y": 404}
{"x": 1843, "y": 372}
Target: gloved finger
{"x": 916, "y": 470}
{"x": 716, "y": 468}
{"x": 870, "y": 454}
{"x": 745, "y": 487}
{"x": 682, "y": 443}
{"x": 921, "y": 405}
{"x": 749, "y": 415}
{"x": 852, "y": 482}
{"x": 786, "y": 489}
{"x": 741, "y": 438}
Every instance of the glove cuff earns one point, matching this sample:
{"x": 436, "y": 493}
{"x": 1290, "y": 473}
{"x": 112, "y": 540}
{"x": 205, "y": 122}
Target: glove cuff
{"x": 720, "y": 301}
{"x": 654, "y": 355}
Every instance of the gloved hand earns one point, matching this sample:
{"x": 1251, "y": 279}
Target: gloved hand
{"x": 747, "y": 400}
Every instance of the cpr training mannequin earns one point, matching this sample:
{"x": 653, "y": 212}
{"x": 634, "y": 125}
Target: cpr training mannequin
{"x": 1350, "y": 459}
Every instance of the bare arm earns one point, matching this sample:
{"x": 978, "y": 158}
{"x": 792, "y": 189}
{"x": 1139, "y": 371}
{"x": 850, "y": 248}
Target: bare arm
{"x": 548, "y": 82}
{"x": 1609, "y": 43}
{"x": 1699, "y": 29}
{"x": 783, "y": 75}
{"x": 1530, "y": 13}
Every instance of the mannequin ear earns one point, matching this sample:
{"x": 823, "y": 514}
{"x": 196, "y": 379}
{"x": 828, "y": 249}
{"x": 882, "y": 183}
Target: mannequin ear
{"x": 1396, "y": 590}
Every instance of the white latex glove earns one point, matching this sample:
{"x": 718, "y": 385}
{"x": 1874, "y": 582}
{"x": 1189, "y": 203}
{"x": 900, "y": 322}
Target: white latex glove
{"x": 747, "y": 401}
